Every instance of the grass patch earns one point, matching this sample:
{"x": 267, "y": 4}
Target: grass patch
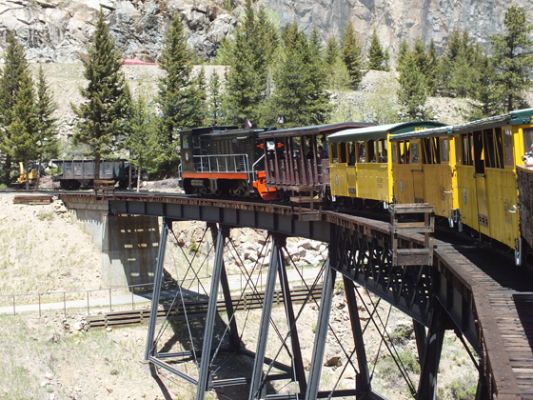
{"x": 44, "y": 215}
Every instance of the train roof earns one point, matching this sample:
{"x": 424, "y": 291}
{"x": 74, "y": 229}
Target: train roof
{"x": 380, "y": 131}
{"x": 234, "y": 132}
{"x": 518, "y": 117}
{"x": 312, "y": 130}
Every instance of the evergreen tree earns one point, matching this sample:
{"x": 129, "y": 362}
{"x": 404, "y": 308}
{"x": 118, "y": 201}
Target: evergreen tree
{"x": 402, "y": 54}
{"x": 420, "y": 56}
{"x": 23, "y": 129}
{"x": 246, "y": 81}
{"x": 103, "y": 116}
{"x": 376, "y": 56}
{"x": 319, "y": 107}
{"x": 200, "y": 98}
{"x": 432, "y": 68}
{"x": 332, "y": 51}
{"x": 14, "y": 71}
{"x": 178, "y": 92}
{"x": 142, "y": 139}
{"x": 215, "y": 109}
{"x": 512, "y": 57}
{"x": 412, "y": 93}
{"x": 487, "y": 92}
{"x": 352, "y": 57}
{"x": 47, "y": 144}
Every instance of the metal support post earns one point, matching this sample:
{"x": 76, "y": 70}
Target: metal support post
{"x": 427, "y": 387}
{"x": 313, "y": 382}
{"x": 482, "y": 391}
{"x": 363, "y": 377}
{"x": 257, "y": 372}
{"x": 156, "y": 293}
{"x": 420, "y": 336}
{"x": 297, "y": 360}
{"x": 211, "y": 314}
{"x": 233, "y": 331}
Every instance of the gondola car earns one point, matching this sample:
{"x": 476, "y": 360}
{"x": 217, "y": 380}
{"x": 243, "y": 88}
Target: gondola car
{"x": 80, "y": 173}
{"x": 360, "y": 162}
{"x": 481, "y": 171}
{"x": 296, "y": 162}
{"x": 222, "y": 161}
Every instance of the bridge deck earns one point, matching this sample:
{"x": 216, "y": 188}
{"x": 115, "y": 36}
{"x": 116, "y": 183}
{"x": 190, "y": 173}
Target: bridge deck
{"x": 499, "y": 296}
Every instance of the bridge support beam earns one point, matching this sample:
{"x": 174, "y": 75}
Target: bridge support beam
{"x": 297, "y": 361}
{"x": 235, "y": 342}
{"x": 209, "y": 328}
{"x": 156, "y": 293}
{"x": 427, "y": 387}
{"x": 257, "y": 372}
{"x": 363, "y": 377}
{"x": 313, "y": 383}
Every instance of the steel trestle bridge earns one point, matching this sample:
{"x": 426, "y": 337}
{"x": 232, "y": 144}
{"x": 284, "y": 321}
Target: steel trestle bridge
{"x": 440, "y": 289}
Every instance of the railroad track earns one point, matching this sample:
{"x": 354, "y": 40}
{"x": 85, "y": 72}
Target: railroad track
{"x": 250, "y": 301}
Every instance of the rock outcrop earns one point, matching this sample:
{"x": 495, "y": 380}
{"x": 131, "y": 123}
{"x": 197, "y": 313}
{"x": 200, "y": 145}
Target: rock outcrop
{"x": 58, "y": 30}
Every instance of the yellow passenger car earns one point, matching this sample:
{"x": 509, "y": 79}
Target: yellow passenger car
{"x": 360, "y": 162}
{"x": 488, "y": 152}
{"x": 424, "y": 170}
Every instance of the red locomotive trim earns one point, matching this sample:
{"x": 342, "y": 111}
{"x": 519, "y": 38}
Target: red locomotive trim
{"x": 216, "y": 175}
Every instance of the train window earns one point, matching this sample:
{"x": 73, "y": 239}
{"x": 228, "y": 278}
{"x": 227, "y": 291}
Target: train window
{"x": 404, "y": 153}
{"x": 395, "y": 151}
{"x": 444, "y": 150}
{"x": 498, "y": 147}
{"x": 466, "y": 149}
{"x": 528, "y": 139}
{"x": 489, "y": 150}
{"x": 508, "y": 148}
{"x": 342, "y": 153}
{"x": 426, "y": 151}
{"x": 351, "y": 153}
{"x": 185, "y": 142}
{"x": 371, "y": 151}
{"x": 333, "y": 150}
{"x": 361, "y": 153}
{"x": 381, "y": 151}
{"x": 479, "y": 156}
{"x": 414, "y": 155}
{"x": 196, "y": 142}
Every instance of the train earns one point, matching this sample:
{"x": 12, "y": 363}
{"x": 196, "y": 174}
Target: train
{"x": 467, "y": 172}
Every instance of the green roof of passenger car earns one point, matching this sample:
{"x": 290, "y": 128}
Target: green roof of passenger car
{"x": 312, "y": 130}
{"x": 518, "y": 117}
{"x": 379, "y": 131}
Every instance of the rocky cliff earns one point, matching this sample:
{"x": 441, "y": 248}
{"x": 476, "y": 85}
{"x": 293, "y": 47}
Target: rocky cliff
{"x": 58, "y": 30}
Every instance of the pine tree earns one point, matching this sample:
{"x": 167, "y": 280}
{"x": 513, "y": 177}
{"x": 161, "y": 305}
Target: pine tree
{"x": 14, "y": 71}
{"x": 247, "y": 78}
{"x": 402, "y": 54}
{"x": 103, "y": 116}
{"x": 376, "y": 55}
{"x": 142, "y": 139}
{"x": 412, "y": 93}
{"x": 420, "y": 56}
{"x": 23, "y": 129}
{"x": 215, "y": 108}
{"x": 300, "y": 96}
{"x": 332, "y": 51}
{"x": 177, "y": 92}
{"x": 351, "y": 50}
{"x": 200, "y": 99}
{"x": 47, "y": 144}
{"x": 512, "y": 57}
{"x": 432, "y": 68}
{"x": 319, "y": 107}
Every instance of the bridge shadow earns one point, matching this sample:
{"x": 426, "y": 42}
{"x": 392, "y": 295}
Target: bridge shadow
{"x": 524, "y": 306}
{"x": 187, "y": 334}
{"x": 498, "y": 266}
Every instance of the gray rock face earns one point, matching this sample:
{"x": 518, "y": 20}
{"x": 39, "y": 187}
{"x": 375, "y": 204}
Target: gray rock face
{"x": 58, "y": 30}
{"x": 396, "y": 20}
